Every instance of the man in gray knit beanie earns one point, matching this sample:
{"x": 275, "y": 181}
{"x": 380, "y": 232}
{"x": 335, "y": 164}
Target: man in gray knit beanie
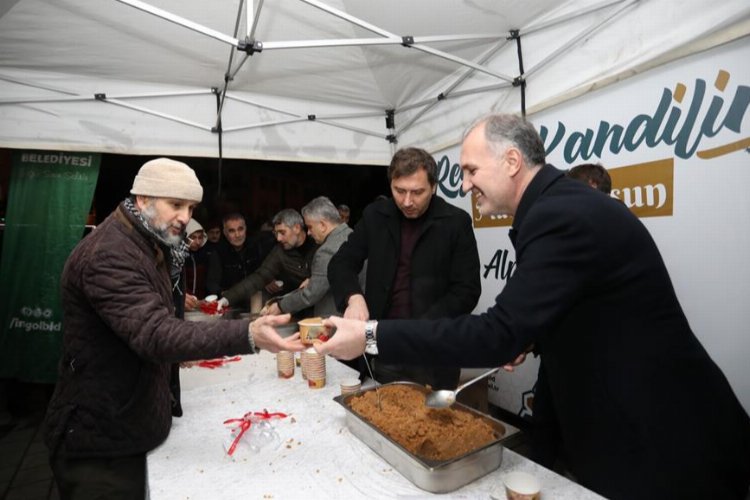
{"x": 167, "y": 178}
{"x": 112, "y": 402}
{"x": 166, "y": 191}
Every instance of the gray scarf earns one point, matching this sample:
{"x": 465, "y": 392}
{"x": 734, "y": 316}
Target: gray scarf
{"x": 178, "y": 253}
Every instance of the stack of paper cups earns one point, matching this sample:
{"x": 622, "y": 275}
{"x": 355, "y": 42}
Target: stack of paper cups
{"x": 302, "y": 365}
{"x": 314, "y": 365}
{"x": 285, "y": 364}
{"x": 350, "y": 385}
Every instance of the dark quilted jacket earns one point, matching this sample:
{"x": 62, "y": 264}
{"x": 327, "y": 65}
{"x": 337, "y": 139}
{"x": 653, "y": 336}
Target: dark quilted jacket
{"x": 120, "y": 336}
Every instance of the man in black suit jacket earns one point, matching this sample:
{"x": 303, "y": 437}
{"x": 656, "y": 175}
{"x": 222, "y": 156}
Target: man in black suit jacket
{"x": 644, "y": 412}
{"x": 422, "y": 261}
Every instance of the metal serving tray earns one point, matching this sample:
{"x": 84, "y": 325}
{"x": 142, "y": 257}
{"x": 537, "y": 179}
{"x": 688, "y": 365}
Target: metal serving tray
{"x": 430, "y": 475}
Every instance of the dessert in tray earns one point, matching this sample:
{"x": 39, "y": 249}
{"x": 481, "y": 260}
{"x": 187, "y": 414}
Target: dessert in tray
{"x": 433, "y": 434}
{"x": 451, "y": 430}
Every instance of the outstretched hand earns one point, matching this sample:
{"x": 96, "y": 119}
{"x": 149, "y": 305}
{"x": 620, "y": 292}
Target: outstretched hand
{"x": 266, "y": 337}
{"x": 346, "y": 338}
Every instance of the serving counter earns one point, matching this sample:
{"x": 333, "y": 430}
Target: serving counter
{"x": 312, "y": 453}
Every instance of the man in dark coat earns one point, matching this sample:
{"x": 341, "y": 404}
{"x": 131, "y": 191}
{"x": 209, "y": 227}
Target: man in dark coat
{"x": 235, "y": 257}
{"x": 422, "y": 261}
{"x": 644, "y": 412}
{"x": 112, "y": 401}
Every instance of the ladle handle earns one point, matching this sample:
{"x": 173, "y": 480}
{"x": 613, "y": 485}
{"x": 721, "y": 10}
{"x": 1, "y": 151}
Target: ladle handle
{"x": 486, "y": 374}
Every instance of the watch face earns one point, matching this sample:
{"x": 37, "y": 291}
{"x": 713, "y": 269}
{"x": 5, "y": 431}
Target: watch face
{"x": 370, "y": 332}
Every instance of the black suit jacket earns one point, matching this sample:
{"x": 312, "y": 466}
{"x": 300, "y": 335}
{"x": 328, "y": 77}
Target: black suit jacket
{"x": 643, "y": 410}
{"x": 445, "y": 263}
{"x": 444, "y": 275}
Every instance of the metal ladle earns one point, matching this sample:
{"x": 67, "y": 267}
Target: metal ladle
{"x": 377, "y": 394}
{"x": 445, "y": 398}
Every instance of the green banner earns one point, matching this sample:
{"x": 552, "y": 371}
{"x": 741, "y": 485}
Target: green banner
{"x": 49, "y": 199}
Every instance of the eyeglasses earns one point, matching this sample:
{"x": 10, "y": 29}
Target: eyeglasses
{"x": 197, "y": 237}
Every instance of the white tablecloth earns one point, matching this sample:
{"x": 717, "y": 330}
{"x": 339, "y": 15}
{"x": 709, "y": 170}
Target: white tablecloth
{"x": 315, "y": 455}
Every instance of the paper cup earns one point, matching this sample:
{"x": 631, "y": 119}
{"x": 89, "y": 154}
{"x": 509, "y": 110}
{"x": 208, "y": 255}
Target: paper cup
{"x": 303, "y": 364}
{"x": 311, "y": 330}
{"x": 521, "y": 486}
{"x": 315, "y": 368}
{"x": 349, "y": 386}
{"x": 285, "y": 364}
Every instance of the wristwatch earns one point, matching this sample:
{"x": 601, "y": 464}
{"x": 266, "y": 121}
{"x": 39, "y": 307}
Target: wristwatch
{"x": 371, "y": 344}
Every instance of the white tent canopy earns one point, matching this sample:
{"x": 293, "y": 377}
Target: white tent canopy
{"x": 318, "y": 80}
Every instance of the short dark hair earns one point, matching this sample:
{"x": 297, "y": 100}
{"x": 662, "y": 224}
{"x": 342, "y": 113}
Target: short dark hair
{"x": 233, "y": 216}
{"x": 406, "y": 161}
{"x": 594, "y": 174}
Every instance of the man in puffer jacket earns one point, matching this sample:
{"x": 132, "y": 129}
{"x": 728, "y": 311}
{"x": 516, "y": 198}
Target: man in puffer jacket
{"x": 112, "y": 401}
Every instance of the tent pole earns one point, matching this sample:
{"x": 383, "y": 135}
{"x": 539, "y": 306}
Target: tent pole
{"x": 390, "y": 125}
{"x": 407, "y": 41}
{"x": 227, "y": 75}
{"x": 520, "y": 81}
{"x": 361, "y": 42}
{"x": 221, "y": 144}
{"x": 181, "y": 21}
{"x": 428, "y": 104}
{"x": 256, "y": 16}
{"x": 573, "y": 15}
{"x": 104, "y": 98}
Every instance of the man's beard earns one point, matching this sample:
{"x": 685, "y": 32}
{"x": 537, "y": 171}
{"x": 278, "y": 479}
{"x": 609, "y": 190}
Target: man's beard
{"x": 161, "y": 229}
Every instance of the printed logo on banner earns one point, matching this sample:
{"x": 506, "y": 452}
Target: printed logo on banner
{"x": 76, "y": 160}
{"x": 646, "y": 188}
{"x": 665, "y": 125}
{"x": 34, "y": 319}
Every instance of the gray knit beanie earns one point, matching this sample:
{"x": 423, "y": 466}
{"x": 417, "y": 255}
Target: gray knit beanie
{"x": 165, "y": 178}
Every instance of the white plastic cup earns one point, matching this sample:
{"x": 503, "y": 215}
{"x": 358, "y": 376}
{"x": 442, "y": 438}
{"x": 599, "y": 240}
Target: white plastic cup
{"x": 522, "y": 486}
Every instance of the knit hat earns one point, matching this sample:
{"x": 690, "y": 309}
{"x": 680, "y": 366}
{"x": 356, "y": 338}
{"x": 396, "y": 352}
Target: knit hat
{"x": 193, "y": 226}
{"x": 165, "y": 178}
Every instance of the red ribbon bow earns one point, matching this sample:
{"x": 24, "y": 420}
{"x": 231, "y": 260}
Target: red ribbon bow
{"x": 247, "y": 421}
{"x": 215, "y": 363}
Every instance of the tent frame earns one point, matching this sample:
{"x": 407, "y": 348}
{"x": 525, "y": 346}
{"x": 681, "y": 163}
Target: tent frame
{"x": 250, "y": 46}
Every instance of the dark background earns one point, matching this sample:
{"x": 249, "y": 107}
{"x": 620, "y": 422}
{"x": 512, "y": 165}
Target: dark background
{"x": 256, "y": 189}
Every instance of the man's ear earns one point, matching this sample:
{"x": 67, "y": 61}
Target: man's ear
{"x": 141, "y": 201}
{"x": 515, "y": 161}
